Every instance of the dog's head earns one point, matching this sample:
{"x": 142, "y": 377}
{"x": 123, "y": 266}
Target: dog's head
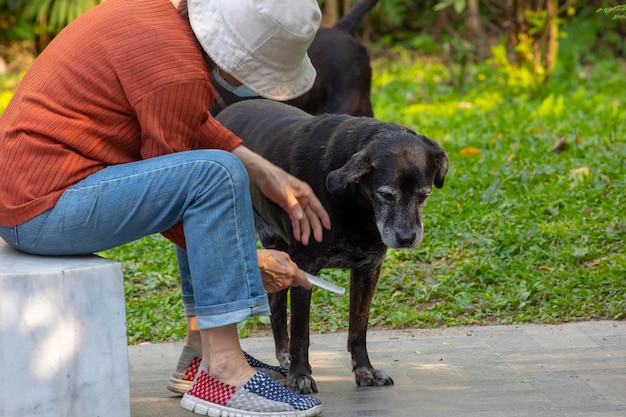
{"x": 395, "y": 171}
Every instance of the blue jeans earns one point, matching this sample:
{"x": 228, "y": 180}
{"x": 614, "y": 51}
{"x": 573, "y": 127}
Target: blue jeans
{"x": 207, "y": 189}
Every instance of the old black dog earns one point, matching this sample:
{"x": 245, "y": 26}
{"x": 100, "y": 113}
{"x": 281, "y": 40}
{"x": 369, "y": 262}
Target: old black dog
{"x": 344, "y": 74}
{"x": 373, "y": 179}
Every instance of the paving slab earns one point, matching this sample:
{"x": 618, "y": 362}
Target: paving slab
{"x": 567, "y": 370}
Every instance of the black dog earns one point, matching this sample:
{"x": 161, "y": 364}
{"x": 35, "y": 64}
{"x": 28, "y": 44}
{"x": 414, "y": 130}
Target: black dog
{"x": 344, "y": 75}
{"x": 372, "y": 177}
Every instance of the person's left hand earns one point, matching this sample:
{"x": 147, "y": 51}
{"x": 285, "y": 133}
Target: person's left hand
{"x": 295, "y": 196}
{"x": 279, "y": 271}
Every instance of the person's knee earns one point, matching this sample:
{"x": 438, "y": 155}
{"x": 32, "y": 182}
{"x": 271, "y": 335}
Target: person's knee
{"x": 231, "y": 167}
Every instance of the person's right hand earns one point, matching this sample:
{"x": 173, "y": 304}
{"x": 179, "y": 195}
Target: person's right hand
{"x": 279, "y": 271}
{"x": 308, "y": 216}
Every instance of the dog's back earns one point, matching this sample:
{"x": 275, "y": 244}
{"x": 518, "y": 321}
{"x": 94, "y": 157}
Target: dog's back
{"x": 293, "y": 139}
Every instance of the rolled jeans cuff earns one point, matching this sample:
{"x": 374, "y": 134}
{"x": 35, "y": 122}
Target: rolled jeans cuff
{"x": 189, "y": 305}
{"x": 259, "y": 307}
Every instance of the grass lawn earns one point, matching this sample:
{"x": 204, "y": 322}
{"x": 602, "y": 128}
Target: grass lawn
{"x": 519, "y": 233}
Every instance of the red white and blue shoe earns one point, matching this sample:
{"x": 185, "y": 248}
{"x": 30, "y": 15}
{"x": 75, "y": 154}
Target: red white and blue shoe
{"x": 261, "y": 396}
{"x": 189, "y": 362}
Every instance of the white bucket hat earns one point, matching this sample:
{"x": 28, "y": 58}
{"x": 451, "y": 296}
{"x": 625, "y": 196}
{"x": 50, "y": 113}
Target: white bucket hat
{"x": 262, "y": 43}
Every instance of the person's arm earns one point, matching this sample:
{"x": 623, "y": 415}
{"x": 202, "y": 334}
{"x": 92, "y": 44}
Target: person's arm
{"x": 175, "y": 118}
{"x": 295, "y": 196}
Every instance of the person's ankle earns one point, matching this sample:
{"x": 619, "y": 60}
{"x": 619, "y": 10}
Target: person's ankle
{"x": 232, "y": 375}
{"x": 193, "y": 339}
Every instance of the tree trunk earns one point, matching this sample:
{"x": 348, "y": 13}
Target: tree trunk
{"x": 475, "y": 29}
{"x": 472, "y": 19}
{"x": 553, "y": 36}
{"x": 330, "y": 14}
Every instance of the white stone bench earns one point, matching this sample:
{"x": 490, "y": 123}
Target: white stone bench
{"x": 63, "y": 345}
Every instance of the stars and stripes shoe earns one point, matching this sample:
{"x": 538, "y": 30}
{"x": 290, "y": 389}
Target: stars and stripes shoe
{"x": 277, "y": 373}
{"x": 189, "y": 362}
{"x": 261, "y": 396}
{"x": 186, "y": 370}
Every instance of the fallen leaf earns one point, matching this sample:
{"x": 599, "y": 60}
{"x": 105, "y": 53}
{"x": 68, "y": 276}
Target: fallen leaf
{"x": 469, "y": 151}
{"x": 560, "y": 145}
{"x": 580, "y": 172}
{"x": 497, "y": 135}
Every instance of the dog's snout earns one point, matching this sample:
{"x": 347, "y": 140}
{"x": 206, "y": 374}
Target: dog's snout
{"x": 406, "y": 239}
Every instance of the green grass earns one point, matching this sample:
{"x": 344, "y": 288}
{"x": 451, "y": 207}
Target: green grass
{"x": 518, "y": 233}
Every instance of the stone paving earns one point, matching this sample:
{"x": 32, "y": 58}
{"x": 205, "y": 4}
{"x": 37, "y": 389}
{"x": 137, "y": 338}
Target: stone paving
{"x": 569, "y": 370}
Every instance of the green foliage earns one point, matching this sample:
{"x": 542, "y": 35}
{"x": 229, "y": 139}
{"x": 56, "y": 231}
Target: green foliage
{"x": 39, "y": 20}
{"x": 11, "y": 25}
{"x": 54, "y": 15}
{"x": 617, "y": 12}
{"x": 458, "y": 5}
{"x": 7, "y": 85}
{"x": 521, "y": 77}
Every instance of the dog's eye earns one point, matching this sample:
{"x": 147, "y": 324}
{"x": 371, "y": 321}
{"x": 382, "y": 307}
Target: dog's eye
{"x": 386, "y": 194}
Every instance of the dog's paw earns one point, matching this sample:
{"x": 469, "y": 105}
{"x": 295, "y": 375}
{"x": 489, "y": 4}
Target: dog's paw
{"x": 303, "y": 384}
{"x": 371, "y": 377}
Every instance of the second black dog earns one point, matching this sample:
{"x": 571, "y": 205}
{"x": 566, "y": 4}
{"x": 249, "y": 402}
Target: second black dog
{"x": 373, "y": 179}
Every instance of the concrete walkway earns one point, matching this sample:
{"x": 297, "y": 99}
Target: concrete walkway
{"x": 570, "y": 370}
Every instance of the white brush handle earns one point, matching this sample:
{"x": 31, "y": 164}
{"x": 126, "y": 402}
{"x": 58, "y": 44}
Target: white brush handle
{"x": 317, "y": 281}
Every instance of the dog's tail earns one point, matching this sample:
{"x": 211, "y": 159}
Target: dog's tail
{"x": 350, "y": 22}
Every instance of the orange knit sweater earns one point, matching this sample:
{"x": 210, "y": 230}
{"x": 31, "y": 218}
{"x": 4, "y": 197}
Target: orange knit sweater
{"x": 125, "y": 81}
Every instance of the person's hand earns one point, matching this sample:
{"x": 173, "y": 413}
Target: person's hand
{"x": 294, "y": 196}
{"x": 279, "y": 271}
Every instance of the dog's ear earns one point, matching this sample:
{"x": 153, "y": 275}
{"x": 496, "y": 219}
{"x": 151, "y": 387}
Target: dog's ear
{"x": 358, "y": 165}
{"x": 442, "y": 169}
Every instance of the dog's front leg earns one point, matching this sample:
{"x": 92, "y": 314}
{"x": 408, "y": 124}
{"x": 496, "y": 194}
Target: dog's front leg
{"x": 363, "y": 281}
{"x": 300, "y": 379}
{"x": 278, "y": 306}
